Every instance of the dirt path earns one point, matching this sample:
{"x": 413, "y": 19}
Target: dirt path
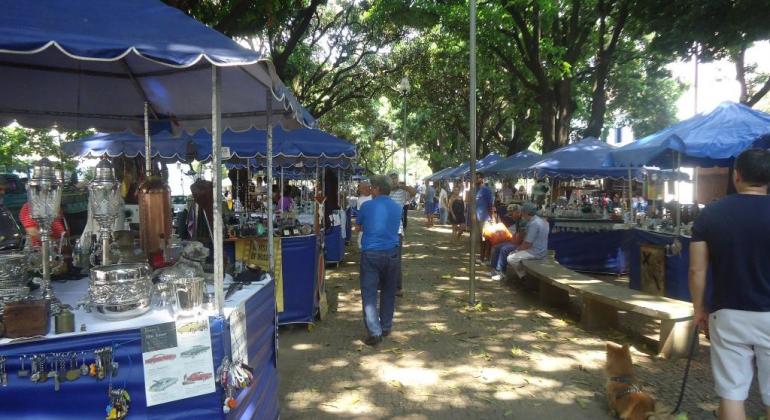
{"x": 507, "y": 357}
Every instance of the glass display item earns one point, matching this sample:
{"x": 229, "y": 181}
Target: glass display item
{"x": 188, "y": 295}
{"x": 44, "y": 198}
{"x": 105, "y": 204}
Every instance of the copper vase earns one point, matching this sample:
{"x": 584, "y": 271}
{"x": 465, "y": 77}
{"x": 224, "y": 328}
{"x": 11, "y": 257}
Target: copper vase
{"x": 154, "y": 215}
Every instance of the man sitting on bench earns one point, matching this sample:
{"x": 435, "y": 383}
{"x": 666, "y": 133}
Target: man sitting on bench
{"x": 535, "y": 245}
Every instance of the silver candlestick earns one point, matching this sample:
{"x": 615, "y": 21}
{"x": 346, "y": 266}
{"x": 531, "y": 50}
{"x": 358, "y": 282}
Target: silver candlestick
{"x": 44, "y": 198}
{"x": 105, "y": 205}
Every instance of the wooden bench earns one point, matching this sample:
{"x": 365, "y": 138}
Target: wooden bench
{"x": 601, "y": 302}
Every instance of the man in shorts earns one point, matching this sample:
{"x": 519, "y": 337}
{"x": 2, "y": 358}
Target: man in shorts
{"x": 733, "y": 235}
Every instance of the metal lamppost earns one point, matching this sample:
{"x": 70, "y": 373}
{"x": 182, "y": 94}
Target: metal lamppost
{"x": 472, "y": 101}
{"x": 105, "y": 205}
{"x": 403, "y": 88}
{"x": 44, "y": 198}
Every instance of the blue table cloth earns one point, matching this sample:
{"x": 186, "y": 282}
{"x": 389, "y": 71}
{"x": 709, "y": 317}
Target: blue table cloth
{"x": 299, "y": 262}
{"x": 596, "y": 252}
{"x": 86, "y": 398}
{"x": 334, "y": 245}
{"x": 677, "y": 266}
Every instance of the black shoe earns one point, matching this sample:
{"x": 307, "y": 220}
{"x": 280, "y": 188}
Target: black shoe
{"x": 400, "y": 292}
{"x": 373, "y": 340}
{"x": 385, "y": 333}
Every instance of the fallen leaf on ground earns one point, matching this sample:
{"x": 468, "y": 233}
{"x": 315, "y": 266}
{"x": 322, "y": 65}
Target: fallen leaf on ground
{"x": 517, "y": 352}
{"x": 581, "y": 402}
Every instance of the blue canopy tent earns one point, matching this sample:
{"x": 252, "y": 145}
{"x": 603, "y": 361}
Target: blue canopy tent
{"x": 164, "y": 146}
{"x": 513, "y": 165}
{"x": 583, "y": 159}
{"x": 306, "y": 146}
{"x": 114, "y": 65}
{"x": 94, "y": 64}
{"x": 464, "y": 169}
{"x": 458, "y": 171}
{"x": 439, "y": 174}
{"x": 311, "y": 147}
{"x": 482, "y": 163}
{"x": 711, "y": 139}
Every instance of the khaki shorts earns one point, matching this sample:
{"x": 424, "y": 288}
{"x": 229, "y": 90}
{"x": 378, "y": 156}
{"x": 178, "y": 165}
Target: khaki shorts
{"x": 738, "y": 339}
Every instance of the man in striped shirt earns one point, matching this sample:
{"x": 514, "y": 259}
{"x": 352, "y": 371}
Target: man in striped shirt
{"x": 401, "y": 194}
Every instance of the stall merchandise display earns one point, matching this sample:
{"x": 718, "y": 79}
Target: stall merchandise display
{"x": 120, "y": 291}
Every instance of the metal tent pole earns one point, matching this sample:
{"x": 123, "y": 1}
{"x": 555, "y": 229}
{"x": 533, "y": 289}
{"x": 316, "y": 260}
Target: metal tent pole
{"x": 630, "y": 190}
{"x": 216, "y": 162}
{"x": 147, "y": 141}
{"x": 270, "y": 256}
{"x": 678, "y": 209}
{"x": 280, "y": 188}
{"x": 474, "y": 224}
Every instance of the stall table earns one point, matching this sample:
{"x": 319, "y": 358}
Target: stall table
{"x": 590, "y": 245}
{"x": 299, "y": 275}
{"x": 656, "y": 269}
{"x": 86, "y": 397}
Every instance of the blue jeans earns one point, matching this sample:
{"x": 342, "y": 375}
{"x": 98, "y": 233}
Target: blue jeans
{"x": 442, "y": 215}
{"x": 498, "y": 258}
{"x": 379, "y": 271}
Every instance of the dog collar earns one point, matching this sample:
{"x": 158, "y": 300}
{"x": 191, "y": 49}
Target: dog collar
{"x": 625, "y": 379}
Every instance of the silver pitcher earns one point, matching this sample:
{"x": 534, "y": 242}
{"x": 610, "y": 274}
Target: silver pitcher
{"x": 188, "y": 295}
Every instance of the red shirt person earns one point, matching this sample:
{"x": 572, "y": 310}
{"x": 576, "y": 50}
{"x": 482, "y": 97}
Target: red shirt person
{"x": 32, "y": 228}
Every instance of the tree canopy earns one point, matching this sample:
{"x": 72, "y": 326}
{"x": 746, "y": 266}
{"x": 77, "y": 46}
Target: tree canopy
{"x": 549, "y": 71}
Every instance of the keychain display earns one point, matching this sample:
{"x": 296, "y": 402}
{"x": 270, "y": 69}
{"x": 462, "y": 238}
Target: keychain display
{"x": 63, "y": 366}
{"x": 119, "y": 403}
{"x": 233, "y": 377}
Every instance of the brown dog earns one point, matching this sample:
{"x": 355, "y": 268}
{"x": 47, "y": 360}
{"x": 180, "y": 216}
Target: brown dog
{"x": 625, "y": 398}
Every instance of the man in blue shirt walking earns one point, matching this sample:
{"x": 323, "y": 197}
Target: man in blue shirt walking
{"x": 379, "y": 220}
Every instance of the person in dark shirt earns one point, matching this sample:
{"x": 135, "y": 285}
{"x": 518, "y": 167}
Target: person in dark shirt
{"x": 379, "y": 220}
{"x": 732, "y": 235}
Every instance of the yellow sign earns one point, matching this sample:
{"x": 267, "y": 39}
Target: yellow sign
{"x": 254, "y": 252}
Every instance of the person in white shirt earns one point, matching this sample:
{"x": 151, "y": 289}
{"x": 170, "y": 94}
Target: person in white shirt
{"x": 364, "y": 195}
{"x": 507, "y": 193}
{"x": 443, "y": 204}
{"x": 401, "y": 194}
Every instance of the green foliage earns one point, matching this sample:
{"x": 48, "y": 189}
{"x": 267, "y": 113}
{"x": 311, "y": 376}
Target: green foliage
{"x": 19, "y": 147}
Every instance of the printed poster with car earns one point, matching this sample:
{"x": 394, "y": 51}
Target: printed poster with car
{"x": 177, "y": 358}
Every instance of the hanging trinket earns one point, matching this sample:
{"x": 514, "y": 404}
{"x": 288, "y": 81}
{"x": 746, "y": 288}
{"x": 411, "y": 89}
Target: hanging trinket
{"x": 117, "y": 408}
{"x": 22, "y": 372}
{"x": 3, "y": 372}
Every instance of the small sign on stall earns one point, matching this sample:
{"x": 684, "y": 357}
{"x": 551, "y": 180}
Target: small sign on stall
{"x": 177, "y": 360}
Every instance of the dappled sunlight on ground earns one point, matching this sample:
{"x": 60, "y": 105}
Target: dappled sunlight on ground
{"x": 505, "y": 357}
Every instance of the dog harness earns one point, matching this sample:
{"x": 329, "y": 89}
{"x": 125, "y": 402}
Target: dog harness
{"x": 628, "y": 380}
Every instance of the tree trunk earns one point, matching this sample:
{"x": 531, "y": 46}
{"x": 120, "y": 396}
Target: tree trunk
{"x": 518, "y": 142}
{"x": 740, "y": 73}
{"x": 548, "y": 125}
{"x": 598, "y": 99}
{"x": 565, "y": 109}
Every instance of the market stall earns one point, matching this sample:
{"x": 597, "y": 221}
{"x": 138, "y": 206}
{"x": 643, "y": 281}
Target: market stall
{"x": 296, "y": 156}
{"x": 115, "y": 66}
{"x": 249, "y": 322}
{"x": 659, "y": 249}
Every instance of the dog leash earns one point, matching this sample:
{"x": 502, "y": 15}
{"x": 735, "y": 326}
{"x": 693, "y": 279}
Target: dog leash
{"x": 693, "y": 343}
